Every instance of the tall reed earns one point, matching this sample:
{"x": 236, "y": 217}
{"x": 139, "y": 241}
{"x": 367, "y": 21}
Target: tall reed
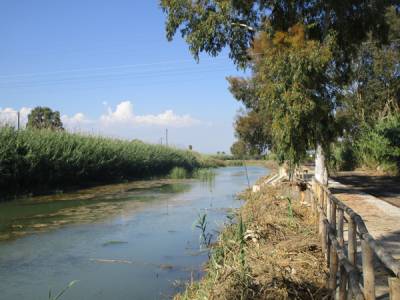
{"x": 32, "y": 159}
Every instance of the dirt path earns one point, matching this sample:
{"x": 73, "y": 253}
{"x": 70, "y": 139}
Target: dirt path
{"x": 386, "y": 188}
{"x": 382, "y": 220}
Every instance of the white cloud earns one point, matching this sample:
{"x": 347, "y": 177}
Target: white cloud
{"x": 76, "y": 120}
{"x": 122, "y": 122}
{"x": 124, "y": 114}
{"x": 110, "y": 121}
{"x": 9, "y": 116}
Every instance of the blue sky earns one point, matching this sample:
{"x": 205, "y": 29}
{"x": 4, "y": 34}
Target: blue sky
{"x": 108, "y": 68}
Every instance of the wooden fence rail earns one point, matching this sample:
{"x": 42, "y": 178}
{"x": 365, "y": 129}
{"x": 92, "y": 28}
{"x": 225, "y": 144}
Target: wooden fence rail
{"x": 349, "y": 279}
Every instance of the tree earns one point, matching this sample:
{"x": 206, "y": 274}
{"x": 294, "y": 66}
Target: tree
{"x": 210, "y": 25}
{"x": 294, "y": 85}
{"x": 254, "y": 130}
{"x": 44, "y": 118}
{"x": 373, "y": 91}
{"x": 238, "y": 149}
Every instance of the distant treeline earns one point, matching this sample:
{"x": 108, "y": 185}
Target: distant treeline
{"x": 31, "y": 160}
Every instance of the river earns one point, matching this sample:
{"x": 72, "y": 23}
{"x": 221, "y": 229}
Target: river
{"x": 135, "y": 240}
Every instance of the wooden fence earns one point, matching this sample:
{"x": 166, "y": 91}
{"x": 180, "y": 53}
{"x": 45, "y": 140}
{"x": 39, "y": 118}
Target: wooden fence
{"x": 349, "y": 278}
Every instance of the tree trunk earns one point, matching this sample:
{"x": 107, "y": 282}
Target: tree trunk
{"x": 321, "y": 173}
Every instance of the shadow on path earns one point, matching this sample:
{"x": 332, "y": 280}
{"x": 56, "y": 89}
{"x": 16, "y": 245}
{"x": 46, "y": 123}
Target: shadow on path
{"x": 386, "y": 188}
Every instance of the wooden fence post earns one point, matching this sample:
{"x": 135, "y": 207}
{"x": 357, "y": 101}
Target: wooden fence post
{"x": 333, "y": 259}
{"x": 323, "y": 233}
{"x": 328, "y": 247}
{"x": 333, "y": 215}
{"x": 368, "y": 270}
{"x": 328, "y": 208}
{"x": 394, "y": 288}
{"x": 343, "y": 274}
{"x": 331, "y": 229}
{"x": 352, "y": 242}
{"x": 340, "y": 227}
{"x": 343, "y": 283}
{"x": 314, "y": 200}
{"x": 333, "y": 269}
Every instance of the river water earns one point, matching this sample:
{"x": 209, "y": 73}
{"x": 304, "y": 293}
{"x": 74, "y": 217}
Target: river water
{"x": 127, "y": 241}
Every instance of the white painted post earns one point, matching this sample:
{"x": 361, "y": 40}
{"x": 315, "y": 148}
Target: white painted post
{"x": 321, "y": 173}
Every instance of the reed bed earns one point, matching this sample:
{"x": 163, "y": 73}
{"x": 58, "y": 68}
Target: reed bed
{"x": 40, "y": 159}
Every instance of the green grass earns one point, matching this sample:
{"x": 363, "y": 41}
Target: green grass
{"x": 178, "y": 173}
{"x": 33, "y": 159}
{"x": 205, "y": 175}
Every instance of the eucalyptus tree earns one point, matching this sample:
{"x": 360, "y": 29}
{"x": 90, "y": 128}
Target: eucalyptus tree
{"x": 297, "y": 89}
{"x": 239, "y": 149}
{"x": 373, "y": 91}
{"x": 253, "y": 128}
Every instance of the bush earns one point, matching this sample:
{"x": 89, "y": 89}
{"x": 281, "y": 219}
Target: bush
{"x": 379, "y": 146}
{"x": 343, "y": 156}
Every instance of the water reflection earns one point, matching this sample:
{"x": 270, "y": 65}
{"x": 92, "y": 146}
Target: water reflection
{"x": 127, "y": 241}
{"x": 43, "y": 213}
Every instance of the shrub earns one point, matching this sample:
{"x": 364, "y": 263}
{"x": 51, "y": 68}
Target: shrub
{"x": 379, "y": 146}
{"x": 343, "y": 156}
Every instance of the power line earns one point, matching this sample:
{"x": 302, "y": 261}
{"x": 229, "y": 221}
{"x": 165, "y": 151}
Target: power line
{"x": 172, "y": 74}
{"x": 153, "y": 83}
{"x": 107, "y": 68}
{"x": 135, "y": 71}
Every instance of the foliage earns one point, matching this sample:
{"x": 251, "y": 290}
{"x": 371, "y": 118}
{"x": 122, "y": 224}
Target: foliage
{"x": 254, "y": 129}
{"x": 33, "y": 159}
{"x": 294, "y": 84}
{"x": 44, "y": 118}
{"x": 239, "y": 149}
{"x": 344, "y": 156}
{"x": 290, "y": 109}
{"x": 209, "y": 161}
{"x": 374, "y": 90}
{"x": 222, "y": 156}
{"x": 62, "y": 292}
{"x": 178, "y": 173}
{"x": 210, "y": 26}
{"x": 202, "y": 224}
{"x": 371, "y": 95}
{"x": 205, "y": 175}
{"x": 379, "y": 145}
{"x": 301, "y": 56}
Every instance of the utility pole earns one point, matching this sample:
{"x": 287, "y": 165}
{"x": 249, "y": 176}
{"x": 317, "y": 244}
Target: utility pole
{"x": 166, "y": 136}
{"x": 18, "y": 119}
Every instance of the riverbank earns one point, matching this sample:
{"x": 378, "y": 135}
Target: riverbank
{"x": 34, "y": 161}
{"x": 271, "y": 251}
{"x": 134, "y": 240}
{"x": 45, "y": 161}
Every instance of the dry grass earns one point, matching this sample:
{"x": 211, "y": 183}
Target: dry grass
{"x": 271, "y": 252}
